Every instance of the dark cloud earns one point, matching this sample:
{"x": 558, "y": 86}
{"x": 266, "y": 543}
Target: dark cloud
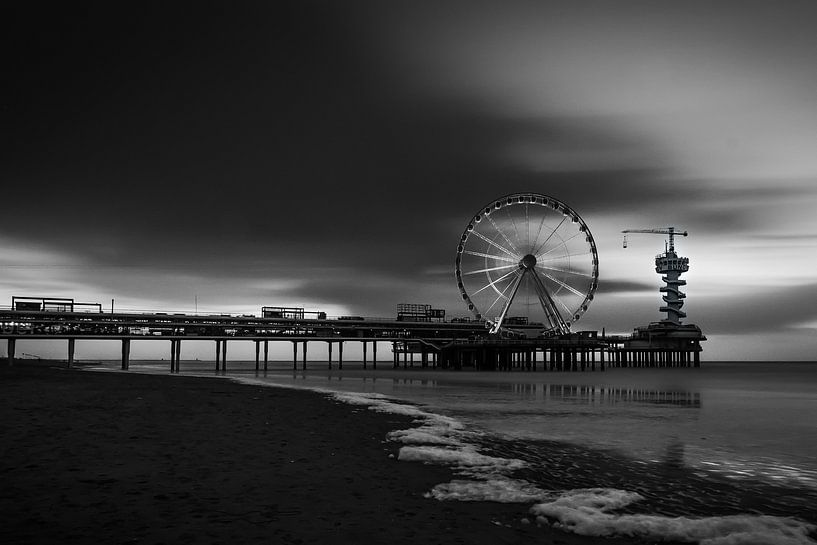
{"x": 268, "y": 139}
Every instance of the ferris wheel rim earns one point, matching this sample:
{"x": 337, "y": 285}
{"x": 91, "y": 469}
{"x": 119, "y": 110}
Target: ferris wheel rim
{"x": 508, "y": 255}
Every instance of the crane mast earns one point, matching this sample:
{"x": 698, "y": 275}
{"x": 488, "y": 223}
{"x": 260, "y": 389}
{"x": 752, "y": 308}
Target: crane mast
{"x": 671, "y": 266}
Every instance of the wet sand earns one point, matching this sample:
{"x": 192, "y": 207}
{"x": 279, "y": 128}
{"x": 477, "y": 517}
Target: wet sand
{"x": 109, "y": 457}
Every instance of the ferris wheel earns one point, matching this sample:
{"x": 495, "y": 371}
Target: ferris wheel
{"x": 528, "y": 259}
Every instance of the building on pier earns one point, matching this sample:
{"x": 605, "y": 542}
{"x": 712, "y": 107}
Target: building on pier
{"x": 668, "y": 342}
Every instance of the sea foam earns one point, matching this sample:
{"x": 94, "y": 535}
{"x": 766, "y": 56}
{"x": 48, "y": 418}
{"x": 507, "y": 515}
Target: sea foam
{"x": 465, "y": 458}
{"x": 438, "y": 439}
{"x": 587, "y": 512}
{"x": 498, "y": 489}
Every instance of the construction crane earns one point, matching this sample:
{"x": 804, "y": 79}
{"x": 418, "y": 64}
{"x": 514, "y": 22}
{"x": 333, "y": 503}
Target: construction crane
{"x": 671, "y": 231}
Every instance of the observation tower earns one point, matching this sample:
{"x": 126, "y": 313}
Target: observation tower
{"x": 670, "y": 332}
{"x": 672, "y": 266}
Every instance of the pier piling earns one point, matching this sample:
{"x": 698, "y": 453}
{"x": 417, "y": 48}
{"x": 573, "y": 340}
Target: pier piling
{"x": 266, "y": 355}
{"x": 71, "y": 343}
{"x": 125, "y": 354}
{"x": 12, "y": 344}
{"x": 330, "y": 354}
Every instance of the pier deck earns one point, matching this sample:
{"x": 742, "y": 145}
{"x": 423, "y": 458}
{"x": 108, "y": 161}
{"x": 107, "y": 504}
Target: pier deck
{"x": 450, "y": 345}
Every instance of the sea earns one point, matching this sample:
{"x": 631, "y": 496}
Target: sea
{"x": 721, "y": 455}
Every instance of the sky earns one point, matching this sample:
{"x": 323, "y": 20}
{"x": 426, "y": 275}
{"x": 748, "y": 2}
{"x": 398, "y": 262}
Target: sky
{"x": 222, "y": 156}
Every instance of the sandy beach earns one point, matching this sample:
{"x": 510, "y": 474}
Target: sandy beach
{"x": 107, "y": 457}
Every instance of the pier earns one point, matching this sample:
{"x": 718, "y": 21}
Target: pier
{"x": 555, "y": 268}
{"x": 435, "y": 345}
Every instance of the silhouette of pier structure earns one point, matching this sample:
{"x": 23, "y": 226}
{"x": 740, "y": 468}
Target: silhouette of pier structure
{"x": 442, "y": 344}
{"x": 524, "y": 251}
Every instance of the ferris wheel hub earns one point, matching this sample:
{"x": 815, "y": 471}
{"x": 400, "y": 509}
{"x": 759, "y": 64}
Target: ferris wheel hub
{"x": 528, "y": 262}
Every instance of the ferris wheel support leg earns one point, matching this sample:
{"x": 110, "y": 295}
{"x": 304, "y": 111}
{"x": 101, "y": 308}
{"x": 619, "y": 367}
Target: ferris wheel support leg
{"x": 549, "y": 306}
{"x": 507, "y": 305}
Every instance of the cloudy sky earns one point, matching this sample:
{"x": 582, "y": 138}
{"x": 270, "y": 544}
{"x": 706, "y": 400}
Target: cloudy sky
{"x": 329, "y": 154}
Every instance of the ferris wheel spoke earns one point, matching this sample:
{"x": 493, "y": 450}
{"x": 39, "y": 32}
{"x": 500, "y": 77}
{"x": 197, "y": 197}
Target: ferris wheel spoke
{"x": 565, "y": 286}
{"x": 515, "y": 230}
{"x": 497, "y": 257}
{"x": 549, "y": 236}
{"x": 495, "y": 245}
{"x": 563, "y": 243}
{"x": 566, "y": 271}
{"x": 501, "y": 232}
{"x": 489, "y": 269}
{"x": 539, "y": 231}
{"x": 539, "y": 257}
{"x": 564, "y": 306}
{"x": 502, "y": 293}
{"x": 527, "y": 224}
{"x": 495, "y": 282}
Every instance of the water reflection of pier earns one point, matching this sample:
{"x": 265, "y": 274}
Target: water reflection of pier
{"x": 605, "y": 395}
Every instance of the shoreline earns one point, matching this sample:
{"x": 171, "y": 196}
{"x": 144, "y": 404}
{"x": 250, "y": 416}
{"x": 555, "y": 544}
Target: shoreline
{"x": 107, "y": 456}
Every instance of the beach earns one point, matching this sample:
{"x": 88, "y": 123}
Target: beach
{"x": 110, "y": 457}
